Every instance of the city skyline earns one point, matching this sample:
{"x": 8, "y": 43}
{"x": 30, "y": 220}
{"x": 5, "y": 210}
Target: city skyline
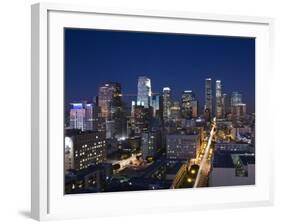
{"x": 232, "y": 63}
{"x": 142, "y": 111}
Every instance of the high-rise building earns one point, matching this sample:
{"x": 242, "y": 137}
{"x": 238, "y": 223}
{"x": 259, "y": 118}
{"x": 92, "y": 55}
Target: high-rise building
{"x": 133, "y": 108}
{"x": 238, "y": 108}
{"x": 236, "y": 98}
{"x": 208, "y": 96}
{"x": 110, "y": 129}
{"x": 77, "y": 116}
{"x": 175, "y": 111}
{"x": 83, "y": 149}
{"x": 226, "y": 104}
{"x": 109, "y": 99}
{"x": 189, "y": 105}
{"x": 167, "y": 103}
{"x": 150, "y": 143}
{"x": 144, "y": 91}
{"x": 238, "y": 111}
{"x": 219, "y": 111}
{"x": 142, "y": 118}
{"x": 157, "y": 105}
{"x": 89, "y": 117}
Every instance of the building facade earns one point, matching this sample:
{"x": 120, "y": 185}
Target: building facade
{"x": 150, "y": 143}
{"x": 219, "y": 111}
{"x": 77, "y": 116}
{"x": 226, "y": 108}
{"x": 182, "y": 145}
{"x": 84, "y": 149}
{"x": 230, "y": 169}
{"x": 208, "y": 96}
{"x": 189, "y": 104}
{"x": 167, "y": 103}
{"x": 109, "y": 99}
{"x": 144, "y": 91}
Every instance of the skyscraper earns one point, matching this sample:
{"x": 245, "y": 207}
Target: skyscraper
{"x": 238, "y": 108}
{"x": 167, "y": 102}
{"x": 218, "y": 99}
{"x": 208, "y": 96}
{"x": 89, "y": 116}
{"x": 157, "y": 104}
{"x": 109, "y": 98}
{"x": 189, "y": 104}
{"x": 226, "y": 104}
{"x": 238, "y": 111}
{"x": 77, "y": 116}
{"x": 175, "y": 111}
{"x": 142, "y": 118}
{"x": 236, "y": 98}
{"x": 144, "y": 91}
{"x": 150, "y": 143}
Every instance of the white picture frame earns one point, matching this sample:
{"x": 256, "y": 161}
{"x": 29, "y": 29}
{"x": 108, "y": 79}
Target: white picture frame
{"x": 48, "y": 201}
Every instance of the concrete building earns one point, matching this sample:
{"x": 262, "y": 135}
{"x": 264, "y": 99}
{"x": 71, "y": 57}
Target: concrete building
{"x": 234, "y": 147}
{"x": 150, "y": 143}
{"x": 182, "y": 145}
{"x": 231, "y": 169}
{"x": 89, "y": 180}
{"x": 83, "y": 149}
{"x": 77, "y": 116}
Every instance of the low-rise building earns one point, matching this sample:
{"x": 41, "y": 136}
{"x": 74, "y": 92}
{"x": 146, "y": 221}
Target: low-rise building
{"x": 182, "y": 145}
{"x": 230, "y": 169}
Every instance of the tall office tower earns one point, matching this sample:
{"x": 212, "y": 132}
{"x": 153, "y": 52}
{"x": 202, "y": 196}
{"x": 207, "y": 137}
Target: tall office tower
{"x": 89, "y": 116}
{"x": 150, "y": 143}
{"x": 226, "y": 109}
{"x": 236, "y": 98}
{"x": 133, "y": 108}
{"x": 218, "y": 100}
{"x": 142, "y": 118}
{"x": 175, "y": 111}
{"x": 238, "y": 111}
{"x": 189, "y": 104}
{"x": 109, "y": 99}
{"x": 208, "y": 96}
{"x": 144, "y": 91}
{"x": 77, "y": 116}
{"x": 238, "y": 108}
{"x": 156, "y": 102}
{"x": 167, "y": 103}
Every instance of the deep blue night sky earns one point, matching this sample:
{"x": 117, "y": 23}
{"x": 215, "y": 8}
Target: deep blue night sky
{"x": 175, "y": 60}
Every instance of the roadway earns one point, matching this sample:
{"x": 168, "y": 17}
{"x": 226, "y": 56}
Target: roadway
{"x": 204, "y": 161}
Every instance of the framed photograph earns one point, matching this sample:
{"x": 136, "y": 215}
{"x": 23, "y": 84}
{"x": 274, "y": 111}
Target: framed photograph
{"x": 148, "y": 111}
